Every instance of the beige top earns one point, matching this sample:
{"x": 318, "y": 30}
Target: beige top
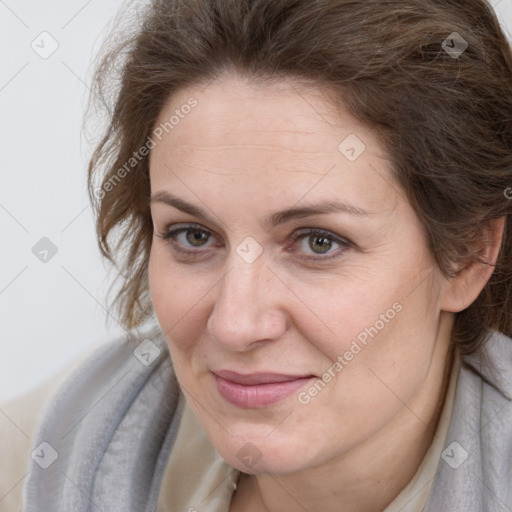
{"x": 196, "y": 478}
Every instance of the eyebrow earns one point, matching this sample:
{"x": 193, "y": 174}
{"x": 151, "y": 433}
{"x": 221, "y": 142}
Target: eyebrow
{"x": 273, "y": 219}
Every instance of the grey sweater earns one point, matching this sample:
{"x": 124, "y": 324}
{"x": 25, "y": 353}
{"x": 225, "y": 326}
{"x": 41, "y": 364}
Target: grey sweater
{"x": 106, "y": 434}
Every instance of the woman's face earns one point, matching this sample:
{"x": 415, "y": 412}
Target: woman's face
{"x": 299, "y": 300}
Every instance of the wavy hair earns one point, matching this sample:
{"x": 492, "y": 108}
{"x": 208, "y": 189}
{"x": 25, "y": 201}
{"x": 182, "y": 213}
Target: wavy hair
{"x": 444, "y": 116}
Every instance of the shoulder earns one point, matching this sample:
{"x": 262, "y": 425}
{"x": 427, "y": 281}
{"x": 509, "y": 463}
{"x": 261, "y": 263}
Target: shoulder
{"x": 476, "y": 469}
{"x": 68, "y": 393}
{"x": 124, "y": 394}
{"x": 492, "y": 366}
{"x": 19, "y": 417}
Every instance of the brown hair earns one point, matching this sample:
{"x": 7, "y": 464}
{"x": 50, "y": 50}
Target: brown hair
{"x": 444, "y": 118}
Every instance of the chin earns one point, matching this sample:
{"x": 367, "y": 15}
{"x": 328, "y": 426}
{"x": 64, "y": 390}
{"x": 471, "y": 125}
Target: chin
{"x": 255, "y": 454}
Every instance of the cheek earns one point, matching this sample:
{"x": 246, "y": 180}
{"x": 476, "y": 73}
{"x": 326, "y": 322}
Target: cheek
{"x": 336, "y": 313}
{"x": 175, "y": 297}
{"x": 375, "y": 326}
{"x": 385, "y": 361}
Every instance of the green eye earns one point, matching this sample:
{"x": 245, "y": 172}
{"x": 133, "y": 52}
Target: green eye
{"x": 319, "y": 243}
{"x": 184, "y": 238}
{"x": 195, "y": 237}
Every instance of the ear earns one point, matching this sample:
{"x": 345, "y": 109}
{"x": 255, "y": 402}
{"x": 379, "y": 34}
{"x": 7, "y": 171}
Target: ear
{"x": 463, "y": 289}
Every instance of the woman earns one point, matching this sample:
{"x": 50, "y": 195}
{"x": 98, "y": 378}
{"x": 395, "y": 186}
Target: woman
{"x": 314, "y": 201}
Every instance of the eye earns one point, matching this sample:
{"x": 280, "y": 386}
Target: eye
{"x": 316, "y": 243}
{"x": 185, "y": 239}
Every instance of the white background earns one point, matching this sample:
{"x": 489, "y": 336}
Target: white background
{"x": 51, "y": 313}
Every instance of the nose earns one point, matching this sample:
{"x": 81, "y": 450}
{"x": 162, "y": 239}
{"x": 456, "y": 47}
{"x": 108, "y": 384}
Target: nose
{"x": 248, "y": 306}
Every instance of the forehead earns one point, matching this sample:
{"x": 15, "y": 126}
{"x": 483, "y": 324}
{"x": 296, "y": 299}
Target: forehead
{"x": 279, "y": 137}
{"x": 244, "y": 110}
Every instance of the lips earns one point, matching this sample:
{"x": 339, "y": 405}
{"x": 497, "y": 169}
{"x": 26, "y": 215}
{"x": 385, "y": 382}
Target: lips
{"x": 257, "y": 378}
{"x": 257, "y": 389}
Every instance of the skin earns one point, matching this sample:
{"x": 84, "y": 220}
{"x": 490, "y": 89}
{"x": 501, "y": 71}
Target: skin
{"x": 246, "y": 151}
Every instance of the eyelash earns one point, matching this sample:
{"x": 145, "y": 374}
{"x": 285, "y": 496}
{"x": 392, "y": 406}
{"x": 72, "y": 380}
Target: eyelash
{"x": 170, "y": 237}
